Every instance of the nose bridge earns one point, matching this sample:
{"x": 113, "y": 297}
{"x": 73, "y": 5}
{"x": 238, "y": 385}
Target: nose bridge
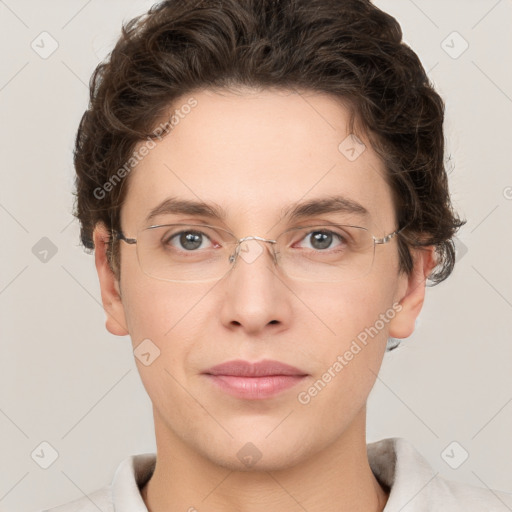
{"x": 254, "y": 296}
{"x": 249, "y": 249}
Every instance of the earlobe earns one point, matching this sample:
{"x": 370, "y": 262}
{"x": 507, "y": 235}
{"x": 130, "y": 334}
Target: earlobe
{"x": 109, "y": 285}
{"x": 412, "y": 293}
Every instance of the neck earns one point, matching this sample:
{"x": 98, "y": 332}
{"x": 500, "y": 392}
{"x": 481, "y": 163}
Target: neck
{"x": 338, "y": 478}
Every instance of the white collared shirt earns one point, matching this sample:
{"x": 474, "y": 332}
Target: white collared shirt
{"x": 414, "y": 486}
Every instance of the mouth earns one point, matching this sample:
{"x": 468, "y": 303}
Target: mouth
{"x": 254, "y": 381}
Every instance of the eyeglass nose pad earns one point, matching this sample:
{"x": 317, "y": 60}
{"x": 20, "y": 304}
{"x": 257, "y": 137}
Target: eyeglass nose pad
{"x": 233, "y": 256}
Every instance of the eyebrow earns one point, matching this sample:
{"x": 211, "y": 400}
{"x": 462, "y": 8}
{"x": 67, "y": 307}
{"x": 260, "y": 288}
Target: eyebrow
{"x": 331, "y": 204}
{"x": 295, "y": 211}
{"x": 173, "y": 205}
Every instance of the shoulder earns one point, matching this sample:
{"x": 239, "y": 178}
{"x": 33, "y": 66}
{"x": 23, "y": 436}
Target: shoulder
{"x": 122, "y": 494}
{"x": 98, "y": 500}
{"x": 414, "y": 486}
{"x": 464, "y": 497}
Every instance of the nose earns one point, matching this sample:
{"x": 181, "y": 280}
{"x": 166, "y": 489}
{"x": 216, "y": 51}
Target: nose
{"x": 255, "y": 298}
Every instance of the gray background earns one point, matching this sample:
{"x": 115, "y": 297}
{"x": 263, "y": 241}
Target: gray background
{"x": 64, "y": 380}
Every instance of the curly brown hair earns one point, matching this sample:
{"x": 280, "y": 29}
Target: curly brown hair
{"x": 349, "y": 49}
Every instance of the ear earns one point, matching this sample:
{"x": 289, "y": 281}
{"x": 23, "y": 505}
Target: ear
{"x": 412, "y": 293}
{"x": 109, "y": 284}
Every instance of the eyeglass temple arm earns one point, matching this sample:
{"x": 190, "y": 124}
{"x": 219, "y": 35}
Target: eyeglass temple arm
{"x": 387, "y": 238}
{"x": 118, "y": 235}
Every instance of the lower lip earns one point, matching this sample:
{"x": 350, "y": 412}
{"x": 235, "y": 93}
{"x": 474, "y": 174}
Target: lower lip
{"x": 255, "y": 388}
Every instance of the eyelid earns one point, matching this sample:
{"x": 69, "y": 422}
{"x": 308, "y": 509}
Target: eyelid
{"x": 321, "y": 229}
{"x": 331, "y": 227}
{"x": 180, "y": 228}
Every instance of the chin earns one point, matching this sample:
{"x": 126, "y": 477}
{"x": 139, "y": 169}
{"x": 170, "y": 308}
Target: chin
{"x": 254, "y": 452}
{"x": 250, "y": 458}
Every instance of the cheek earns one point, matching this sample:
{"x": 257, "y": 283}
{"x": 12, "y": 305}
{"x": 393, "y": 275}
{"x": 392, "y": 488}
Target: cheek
{"x": 152, "y": 307}
{"x": 165, "y": 321}
{"x": 346, "y": 309}
{"x": 348, "y": 357}
{"x": 351, "y": 340}
{"x": 168, "y": 314}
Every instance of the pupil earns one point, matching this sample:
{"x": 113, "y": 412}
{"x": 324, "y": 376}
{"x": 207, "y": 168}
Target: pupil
{"x": 190, "y": 240}
{"x": 321, "y": 240}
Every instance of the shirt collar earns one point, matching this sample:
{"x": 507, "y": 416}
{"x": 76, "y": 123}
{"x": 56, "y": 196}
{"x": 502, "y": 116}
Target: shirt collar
{"x": 399, "y": 466}
{"x": 394, "y": 461}
{"x": 132, "y": 473}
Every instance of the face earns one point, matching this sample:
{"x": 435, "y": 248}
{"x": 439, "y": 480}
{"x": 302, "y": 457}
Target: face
{"x": 256, "y": 154}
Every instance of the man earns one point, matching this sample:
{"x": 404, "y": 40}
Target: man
{"x": 263, "y": 186}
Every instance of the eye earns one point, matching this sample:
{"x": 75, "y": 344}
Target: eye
{"x": 188, "y": 240}
{"x": 320, "y": 240}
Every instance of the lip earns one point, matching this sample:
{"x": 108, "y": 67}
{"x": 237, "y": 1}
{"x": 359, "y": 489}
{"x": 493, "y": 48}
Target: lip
{"x": 254, "y": 381}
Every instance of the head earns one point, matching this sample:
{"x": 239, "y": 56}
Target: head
{"x": 249, "y": 109}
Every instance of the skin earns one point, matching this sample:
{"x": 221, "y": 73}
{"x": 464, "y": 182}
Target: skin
{"x": 254, "y": 152}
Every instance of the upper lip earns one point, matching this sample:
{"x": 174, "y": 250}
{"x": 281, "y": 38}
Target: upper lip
{"x": 263, "y": 368}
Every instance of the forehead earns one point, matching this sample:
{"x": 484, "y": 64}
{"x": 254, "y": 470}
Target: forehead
{"x": 256, "y": 153}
